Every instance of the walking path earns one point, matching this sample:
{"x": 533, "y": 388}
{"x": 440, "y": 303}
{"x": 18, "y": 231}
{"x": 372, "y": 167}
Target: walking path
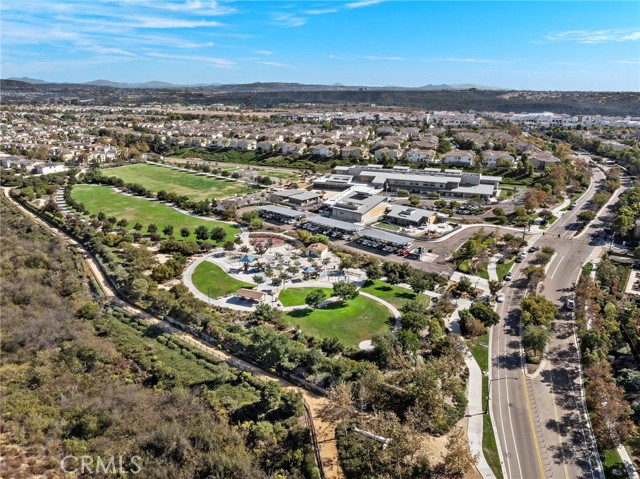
{"x": 476, "y": 414}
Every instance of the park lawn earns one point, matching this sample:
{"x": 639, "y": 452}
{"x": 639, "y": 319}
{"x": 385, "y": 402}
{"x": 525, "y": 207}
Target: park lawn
{"x": 282, "y": 175}
{"x": 392, "y": 294}
{"x": 350, "y": 322}
{"x": 211, "y": 280}
{"x": 156, "y": 178}
{"x": 502, "y": 269}
{"x": 139, "y": 210}
{"x": 296, "y": 296}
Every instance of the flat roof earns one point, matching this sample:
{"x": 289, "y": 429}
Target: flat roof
{"x": 279, "y": 210}
{"x": 386, "y": 236}
{"x": 409, "y": 213}
{"x": 305, "y": 195}
{"x": 331, "y": 223}
{"x": 288, "y": 193}
{"x": 475, "y": 189}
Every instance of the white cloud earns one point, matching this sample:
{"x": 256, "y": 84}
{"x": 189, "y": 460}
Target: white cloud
{"x": 218, "y": 62}
{"x": 363, "y": 3}
{"x": 462, "y": 60}
{"x": 264, "y": 52}
{"x": 289, "y": 19}
{"x": 378, "y": 58}
{"x": 627, "y": 62}
{"x": 613, "y": 35}
{"x": 320, "y": 11}
{"x": 274, "y": 64}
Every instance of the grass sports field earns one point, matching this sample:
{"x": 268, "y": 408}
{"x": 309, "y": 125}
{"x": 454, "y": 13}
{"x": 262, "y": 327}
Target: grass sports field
{"x": 156, "y": 178}
{"x": 296, "y": 296}
{"x": 211, "y": 280}
{"x": 393, "y": 294}
{"x": 138, "y": 210}
{"x": 355, "y": 321}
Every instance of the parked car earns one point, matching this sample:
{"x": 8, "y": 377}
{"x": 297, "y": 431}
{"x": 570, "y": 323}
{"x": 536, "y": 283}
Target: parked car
{"x": 570, "y": 304}
{"x": 533, "y": 249}
{"x": 508, "y": 276}
{"x": 500, "y": 298}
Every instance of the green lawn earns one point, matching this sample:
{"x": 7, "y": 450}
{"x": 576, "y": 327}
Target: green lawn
{"x": 350, "y": 322}
{"x": 211, "y": 280}
{"x": 156, "y": 178}
{"x": 610, "y": 461}
{"x": 387, "y": 226}
{"x": 480, "y": 351}
{"x": 393, "y": 294}
{"x": 502, "y": 269}
{"x": 296, "y": 296}
{"x": 283, "y": 175}
{"x": 103, "y": 198}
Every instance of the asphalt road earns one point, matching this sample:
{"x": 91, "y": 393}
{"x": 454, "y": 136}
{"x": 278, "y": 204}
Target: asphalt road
{"x": 540, "y": 422}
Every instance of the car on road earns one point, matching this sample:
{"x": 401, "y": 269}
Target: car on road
{"x": 570, "y": 304}
{"x": 508, "y": 276}
{"x": 500, "y": 298}
{"x": 533, "y": 249}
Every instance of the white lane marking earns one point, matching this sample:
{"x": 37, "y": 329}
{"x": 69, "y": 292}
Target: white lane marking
{"x": 556, "y": 268}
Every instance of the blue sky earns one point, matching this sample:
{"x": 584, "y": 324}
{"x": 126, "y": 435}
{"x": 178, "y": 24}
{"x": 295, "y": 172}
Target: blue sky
{"x": 539, "y": 45}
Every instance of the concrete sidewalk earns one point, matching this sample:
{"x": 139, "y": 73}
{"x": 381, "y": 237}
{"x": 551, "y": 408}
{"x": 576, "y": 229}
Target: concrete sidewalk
{"x": 475, "y": 414}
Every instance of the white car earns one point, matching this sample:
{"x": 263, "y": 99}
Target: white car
{"x": 500, "y": 298}
{"x": 570, "y": 304}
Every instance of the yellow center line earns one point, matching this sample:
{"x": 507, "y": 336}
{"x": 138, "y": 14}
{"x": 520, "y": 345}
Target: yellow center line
{"x": 533, "y": 429}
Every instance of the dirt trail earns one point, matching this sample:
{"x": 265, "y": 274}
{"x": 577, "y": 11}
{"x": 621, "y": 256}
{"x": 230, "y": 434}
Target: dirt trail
{"x": 325, "y": 431}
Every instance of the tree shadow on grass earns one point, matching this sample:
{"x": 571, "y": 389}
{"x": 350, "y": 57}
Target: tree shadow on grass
{"x": 303, "y": 313}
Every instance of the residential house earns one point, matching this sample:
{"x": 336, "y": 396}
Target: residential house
{"x": 492, "y": 158}
{"x": 459, "y": 157}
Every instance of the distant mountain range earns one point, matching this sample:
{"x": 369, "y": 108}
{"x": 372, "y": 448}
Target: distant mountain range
{"x": 257, "y": 87}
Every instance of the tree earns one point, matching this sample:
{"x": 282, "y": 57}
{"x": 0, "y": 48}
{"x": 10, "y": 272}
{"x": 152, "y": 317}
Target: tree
{"x": 464, "y": 286}
{"x": 152, "y": 228}
{"x": 458, "y": 460}
{"x": 138, "y": 227}
{"x": 418, "y": 284}
{"x": 315, "y": 298}
{"x": 184, "y": 232}
{"x": 414, "y": 200}
{"x": 535, "y": 338}
{"x": 533, "y": 198}
{"x": 538, "y": 310}
{"x": 339, "y": 404}
{"x": 414, "y": 321}
{"x": 586, "y": 216}
{"x": 494, "y": 286}
{"x": 610, "y": 413}
{"x": 217, "y": 234}
{"x": 168, "y": 230}
{"x": 484, "y": 313}
{"x": 202, "y": 233}
{"x": 345, "y": 291}
{"x": 373, "y": 272}
{"x": 606, "y": 273}
{"x": 267, "y": 314}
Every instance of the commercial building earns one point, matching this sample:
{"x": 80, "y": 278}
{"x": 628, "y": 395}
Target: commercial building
{"x": 407, "y": 216}
{"x": 296, "y": 197}
{"x": 360, "y": 208}
{"x": 450, "y": 183}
